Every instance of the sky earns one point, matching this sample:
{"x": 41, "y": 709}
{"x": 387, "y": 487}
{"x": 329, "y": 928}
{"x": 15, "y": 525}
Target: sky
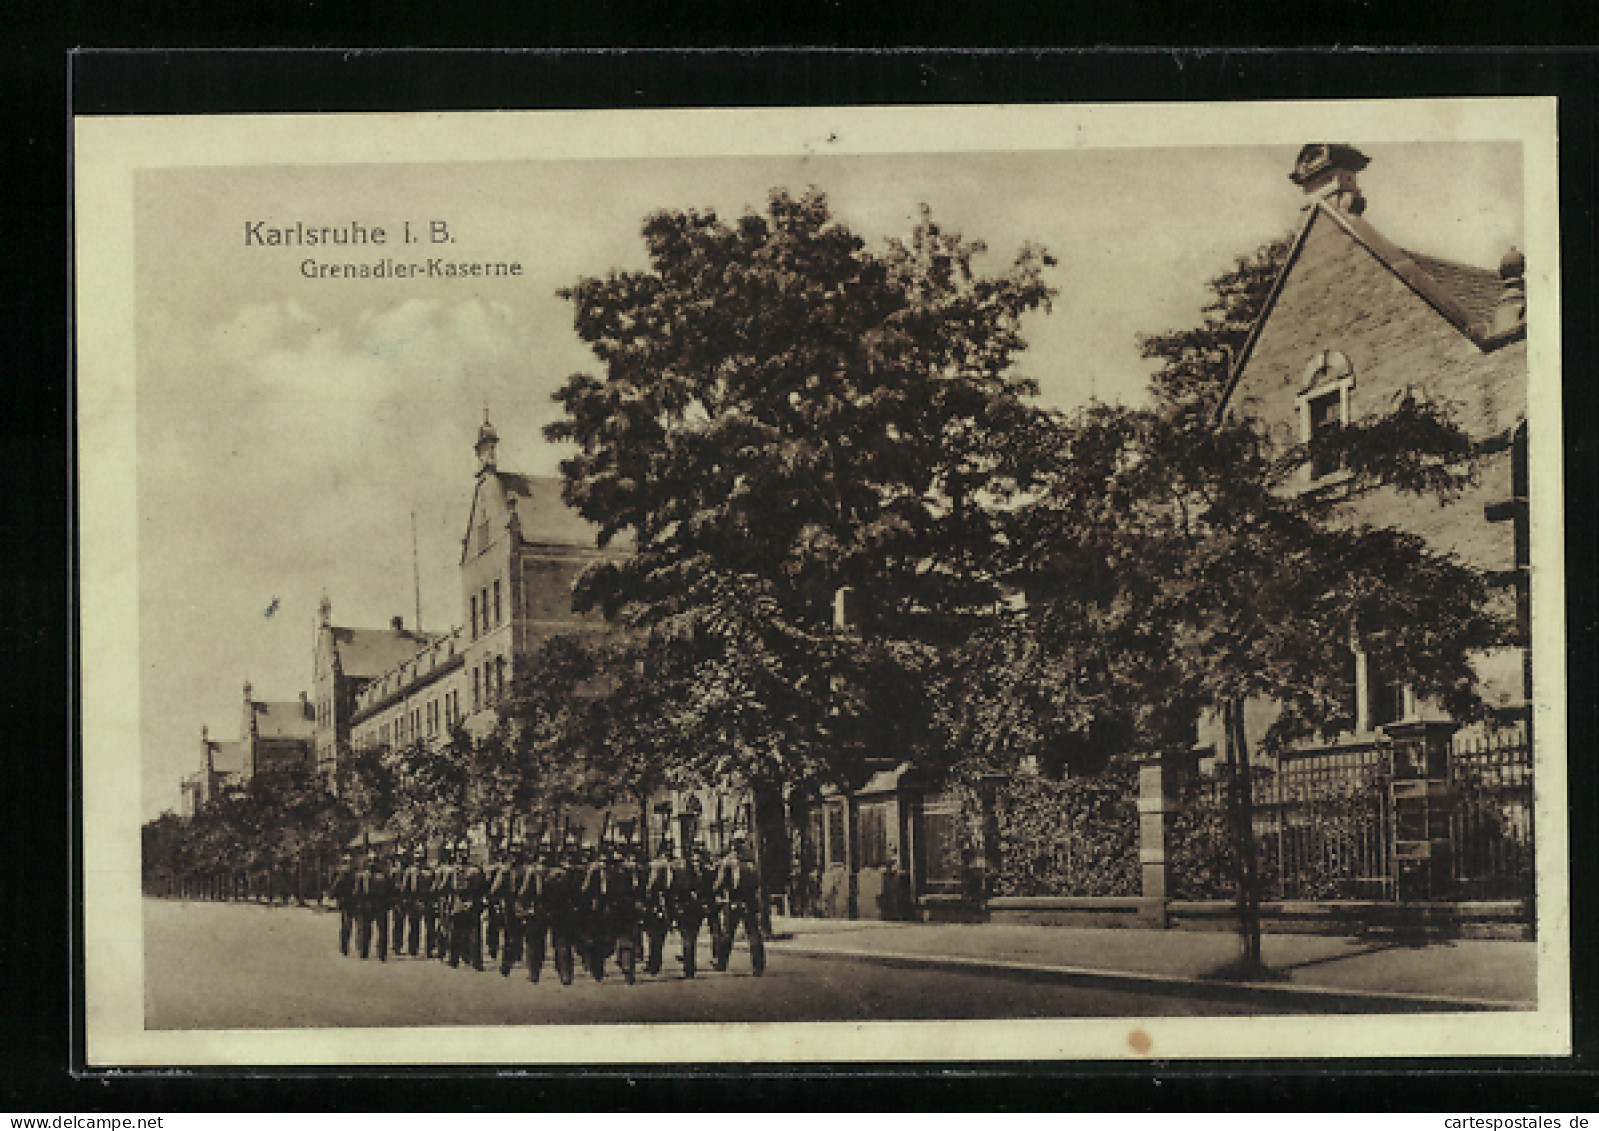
{"x": 289, "y": 428}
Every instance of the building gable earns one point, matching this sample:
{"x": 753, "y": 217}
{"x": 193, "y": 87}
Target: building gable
{"x": 486, "y": 521}
{"x": 1358, "y": 268}
{"x": 367, "y": 652}
{"x": 1340, "y": 296}
{"x": 1338, "y": 293}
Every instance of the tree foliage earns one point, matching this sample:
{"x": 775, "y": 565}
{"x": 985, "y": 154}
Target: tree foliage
{"x": 1195, "y": 361}
{"x": 277, "y": 818}
{"x": 782, "y": 413}
{"x": 1172, "y": 567}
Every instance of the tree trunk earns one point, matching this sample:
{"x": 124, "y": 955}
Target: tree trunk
{"x": 1241, "y": 806}
{"x": 759, "y": 794}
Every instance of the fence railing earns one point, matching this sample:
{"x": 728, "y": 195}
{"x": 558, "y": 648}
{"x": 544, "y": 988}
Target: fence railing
{"x": 1491, "y": 821}
{"x": 1324, "y": 823}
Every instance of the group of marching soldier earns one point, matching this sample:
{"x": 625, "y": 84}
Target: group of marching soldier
{"x": 574, "y": 904}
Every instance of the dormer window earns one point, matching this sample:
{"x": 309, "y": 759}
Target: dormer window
{"x": 1324, "y": 405}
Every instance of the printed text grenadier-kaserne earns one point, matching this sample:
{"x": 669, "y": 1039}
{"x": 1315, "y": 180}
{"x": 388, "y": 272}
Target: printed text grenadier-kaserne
{"x": 408, "y": 269}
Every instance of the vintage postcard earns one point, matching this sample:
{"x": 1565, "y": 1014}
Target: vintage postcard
{"x": 900, "y": 584}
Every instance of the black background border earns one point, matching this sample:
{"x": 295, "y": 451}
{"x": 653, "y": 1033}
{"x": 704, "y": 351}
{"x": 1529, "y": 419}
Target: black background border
{"x": 43, "y": 1011}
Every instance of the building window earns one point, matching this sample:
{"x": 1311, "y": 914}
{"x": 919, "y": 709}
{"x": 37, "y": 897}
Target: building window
{"x": 477, "y": 693}
{"x": 874, "y": 836}
{"x": 1324, "y": 405}
{"x": 1385, "y": 696}
{"x": 1381, "y": 695}
{"x": 1326, "y": 416}
{"x": 837, "y": 850}
{"x": 483, "y": 600}
{"x": 472, "y": 601}
{"x": 496, "y": 600}
{"x": 499, "y": 677}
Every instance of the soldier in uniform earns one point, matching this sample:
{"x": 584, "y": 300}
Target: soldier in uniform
{"x": 466, "y": 915}
{"x": 533, "y": 899}
{"x": 499, "y": 892}
{"x": 426, "y": 917}
{"x": 375, "y": 887}
{"x": 594, "y": 892}
{"x": 561, "y": 909}
{"x": 698, "y": 902}
{"x": 658, "y": 911}
{"x": 399, "y": 899}
{"x": 627, "y": 892}
{"x": 363, "y": 904}
{"x": 408, "y": 905}
{"x": 443, "y": 899}
{"x": 505, "y": 889}
{"x": 343, "y": 892}
{"x": 738, "y": 895}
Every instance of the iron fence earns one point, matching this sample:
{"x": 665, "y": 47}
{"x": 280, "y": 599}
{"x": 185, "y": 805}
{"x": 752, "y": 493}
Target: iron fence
{"x": 1325, "y": 824}
{"x": 1491, "y": 821}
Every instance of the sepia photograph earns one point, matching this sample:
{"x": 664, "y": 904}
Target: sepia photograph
{"x": 940, "y": 583}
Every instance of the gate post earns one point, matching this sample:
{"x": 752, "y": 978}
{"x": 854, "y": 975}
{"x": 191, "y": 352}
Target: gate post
{"x": 1157, "y": 800}
{"x": 1420, "y": 788}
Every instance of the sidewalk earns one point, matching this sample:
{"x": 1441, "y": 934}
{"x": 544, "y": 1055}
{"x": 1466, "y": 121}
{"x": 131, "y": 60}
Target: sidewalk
{"x": 1317, "y": 972}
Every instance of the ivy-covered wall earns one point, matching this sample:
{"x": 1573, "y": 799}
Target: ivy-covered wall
{"x": 1077, "y": 837}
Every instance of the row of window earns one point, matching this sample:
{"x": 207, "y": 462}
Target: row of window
{"x": 485, "y": 615}
{"x": 488, "y": 683}
{"x": 438, "y": 715}
{"x": 430, "y": 720}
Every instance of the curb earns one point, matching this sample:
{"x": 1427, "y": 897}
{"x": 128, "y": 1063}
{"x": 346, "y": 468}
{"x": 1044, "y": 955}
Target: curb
{"x": 1331, "y": 999}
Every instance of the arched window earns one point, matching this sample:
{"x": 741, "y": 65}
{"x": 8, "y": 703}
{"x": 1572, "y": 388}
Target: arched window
{"x": 1324, "y": 404}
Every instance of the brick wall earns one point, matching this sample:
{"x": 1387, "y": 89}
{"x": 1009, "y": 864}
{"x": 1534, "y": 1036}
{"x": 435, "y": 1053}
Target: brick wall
{"x": 1341, "y": 296}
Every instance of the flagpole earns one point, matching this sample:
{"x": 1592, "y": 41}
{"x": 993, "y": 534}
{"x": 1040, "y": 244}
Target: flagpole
{"x": 416, "y": 573}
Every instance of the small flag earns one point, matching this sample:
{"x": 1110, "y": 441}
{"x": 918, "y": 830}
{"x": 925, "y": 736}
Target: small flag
{"x": 273, "y": 607}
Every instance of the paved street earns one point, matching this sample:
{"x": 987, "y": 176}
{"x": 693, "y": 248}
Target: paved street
{"x": 220, "y": 966}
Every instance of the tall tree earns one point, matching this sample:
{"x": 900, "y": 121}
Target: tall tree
{"x": 1171, "y": 571}
{"x": 1195, "y": 361}
{"x": 783, "y": 413}
{"x": 550, "y": 729}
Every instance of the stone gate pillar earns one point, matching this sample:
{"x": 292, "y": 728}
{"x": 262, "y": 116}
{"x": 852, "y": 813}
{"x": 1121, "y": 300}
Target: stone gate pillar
{"x": 1158, "y": 781}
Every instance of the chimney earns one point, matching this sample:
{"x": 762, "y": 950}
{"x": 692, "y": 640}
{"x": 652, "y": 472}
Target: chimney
{"x": 324, "y": 612}
{"x": 1511, "y": 311}
{"x": 1326, "y": 171}
{"x": 846, "y": 608}
{"x": 397, "y": 624}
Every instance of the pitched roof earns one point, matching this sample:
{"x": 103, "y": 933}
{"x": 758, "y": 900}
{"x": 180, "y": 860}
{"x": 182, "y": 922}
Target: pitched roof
{"x": 1462, "y": 294}
{"x": 283, "y": 720}
{"x": 1476, "y": 290}
{"x": 367, "y": 652}
{"x": 543, "y": 517}
{"x": 227, "y": 757}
